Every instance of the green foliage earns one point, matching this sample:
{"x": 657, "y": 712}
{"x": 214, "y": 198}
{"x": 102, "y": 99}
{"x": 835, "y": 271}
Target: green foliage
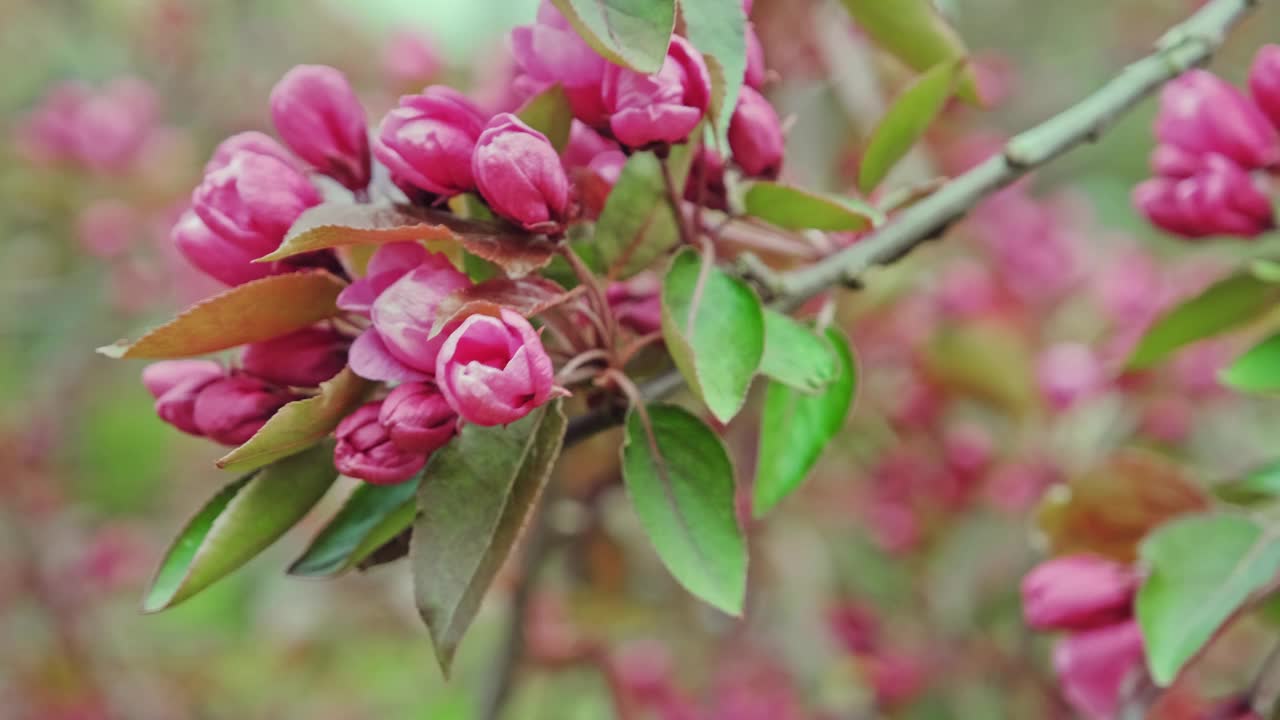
{"x": 476, "y": 495}
{"x": 371, "y": 517}
{"x": 714, "y": 327}
{"x": 718, "y": 29}
{"x": 549, "y": 113}
{"x": 1255, "y": 487}
{"x": 1225, "y": 305}
{"x": 637, "y": 224}
{"x": 795, "y": 427}
{"x": 915, "y": 33}
{"x": 632, "y": 33}
{"x": 238, "y": 523}
{"x": 793, "y": 208}
{"x": 905, "y": 122}
{"x": 252, "y": 312}
{"x": 1202, "y": 569}
{"x": 681, "y": 484}
{"x": 1258, "y": 370}
{"x": 300, "y": 424}
{"x": 795, "y": 355}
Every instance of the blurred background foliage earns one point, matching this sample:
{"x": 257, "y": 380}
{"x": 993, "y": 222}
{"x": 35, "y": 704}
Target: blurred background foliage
{"x": 888, "y": 587}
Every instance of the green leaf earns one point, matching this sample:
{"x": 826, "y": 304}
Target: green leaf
{"x": 1203, "y": 568}
{"x": 252, "y": 312}
{"x": 1258, "y": 486}
{"x": 1258, "y": 370}
{"x": 549, "y": 113}
{"x": 332, "y": 226}
{"x": 905, "y": 122}
{"x": 714, "y": 327}
{"x": 477, "y": 493}
{"x": 1225, "y": 305}
{"x": 795, "y": 355}
{"x": 680, "y": 481}
{"x": 796, "y": 209}
{"x": 371, "y": 517}
{"x": 914, "y": 32}
{"x": 631, "y": 33}
{"x": 300, "y": 424}
{"x": 794, "y": 428}
{"x": 238, "y": 523}
{"x": 718, "y": 28}
{"x": 636, "y": 225}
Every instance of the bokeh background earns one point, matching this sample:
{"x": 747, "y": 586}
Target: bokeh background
{"x": 886, "y": 588}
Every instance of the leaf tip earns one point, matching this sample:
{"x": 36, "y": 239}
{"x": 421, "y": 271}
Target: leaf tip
{"x": 115, "y": 350}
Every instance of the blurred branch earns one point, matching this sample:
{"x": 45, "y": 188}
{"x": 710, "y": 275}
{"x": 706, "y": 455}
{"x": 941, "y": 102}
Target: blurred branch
{"x": 1186, "y": 45}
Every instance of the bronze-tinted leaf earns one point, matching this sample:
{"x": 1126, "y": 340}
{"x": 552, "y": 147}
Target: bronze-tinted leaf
{"x": 331, "y": 226}
{"x": 527, "y": 296}
{"x": 256, "y": 311}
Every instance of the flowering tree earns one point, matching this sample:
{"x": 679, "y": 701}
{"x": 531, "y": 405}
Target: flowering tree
{"x": 438, "y": 308}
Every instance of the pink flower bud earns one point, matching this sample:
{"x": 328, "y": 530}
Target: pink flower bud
{"x": 304, "y": 358}
{"x": 520, "y": 176}
{"x": 1094, "y": 666}
{"x": 320, "y": 118}
{"x": 1264, "y": 82}
{"x": 428, "y": 139}
{"x": 389, "y": 263}
{"x": 756, "y": 72}
{"x": 220, "y": 259}
{"x": 365, "y": 450}
{"x": 418, "y": 418}
{"x": 230, "y": 410}
{"x": 755, "y": 136}
{"x": 705, "y": 185}
{"x": 1069, "y": 372}
{"x": 175, "y": 384}
{"x": 636, "y": 303}
{"x": 548, "y": 52}
{"x": 494, "y": 371}
{"x": 410, "y": 58}
{"x": 1078, "y": 592}
{"x": 399, "y": 346}
{"x": 1172, "y": 161}
{"x": 111, "y": 127}
{"x": 249, "y": 141}
{"x": 662, "y": 108}
{"x": 1200, "y": 113}
{"x": 253, "y": 200}
{"x": 584, "y": 145}
{"x": 1221, "y": 199}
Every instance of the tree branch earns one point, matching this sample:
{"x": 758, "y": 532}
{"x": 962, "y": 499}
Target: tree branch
{"x": 1186, "y": 45}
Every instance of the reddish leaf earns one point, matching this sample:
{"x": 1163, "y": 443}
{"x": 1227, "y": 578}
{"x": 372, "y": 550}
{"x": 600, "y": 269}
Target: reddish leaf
{"x": 331, "y": 226}
{"x": 527, "y": 296}
{"x": 255, "y": 311}
{"x": 1109, "y": 509}
{"x": 517, "y": 254}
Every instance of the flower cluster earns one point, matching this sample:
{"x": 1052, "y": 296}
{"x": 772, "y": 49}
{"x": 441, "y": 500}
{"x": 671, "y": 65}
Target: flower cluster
{"x": 1091, "y": 599}
{"x": 104, "y": 130}
{"x": 1216, "y": 146}
{"x": 438, "y": 369}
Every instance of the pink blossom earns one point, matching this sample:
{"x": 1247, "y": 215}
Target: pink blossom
{"x": 548, "y": 52}
{"x": 755, "y": 136}
{"x": 303, "y": 358}
{"x": 389, "y": 263}
{"x": 175, "y": 384}
{"x": 636, "y": 303}
{"x": 1069, "y": 372}
{"x": 399, "y": 345}
{"x": 253, "y": 200}
{"x": 418, "y": 418}
{"x": 1264, "y": 82}
{"x": 1220, "y": 199}
{"x": 221, "y": 259}
{"x": 1078, "y": 592}
{"x": 494, "y": 371}
{"x": 319, "y": 117}
{"x": 107, "y": 228}
{"x": 230, "y": 410}
{"x": 756, "y": 70}
{"x": 1200, "y": 113}
{"x": 249, "y": 141}
{"x": 365, "y": 450}
{"x": 662, "y": 108}
{"x": 427, "y": 140}
{"x": 520, "y": 176}
{"x": 1094, "y": 667}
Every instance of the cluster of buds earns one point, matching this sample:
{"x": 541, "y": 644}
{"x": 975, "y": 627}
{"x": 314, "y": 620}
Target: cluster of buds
{"x": 104, "y": 130}
{"x": 437, "y": 373}
{"x": 1216, "y": 147}
{"x": 1091, "y": 599}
